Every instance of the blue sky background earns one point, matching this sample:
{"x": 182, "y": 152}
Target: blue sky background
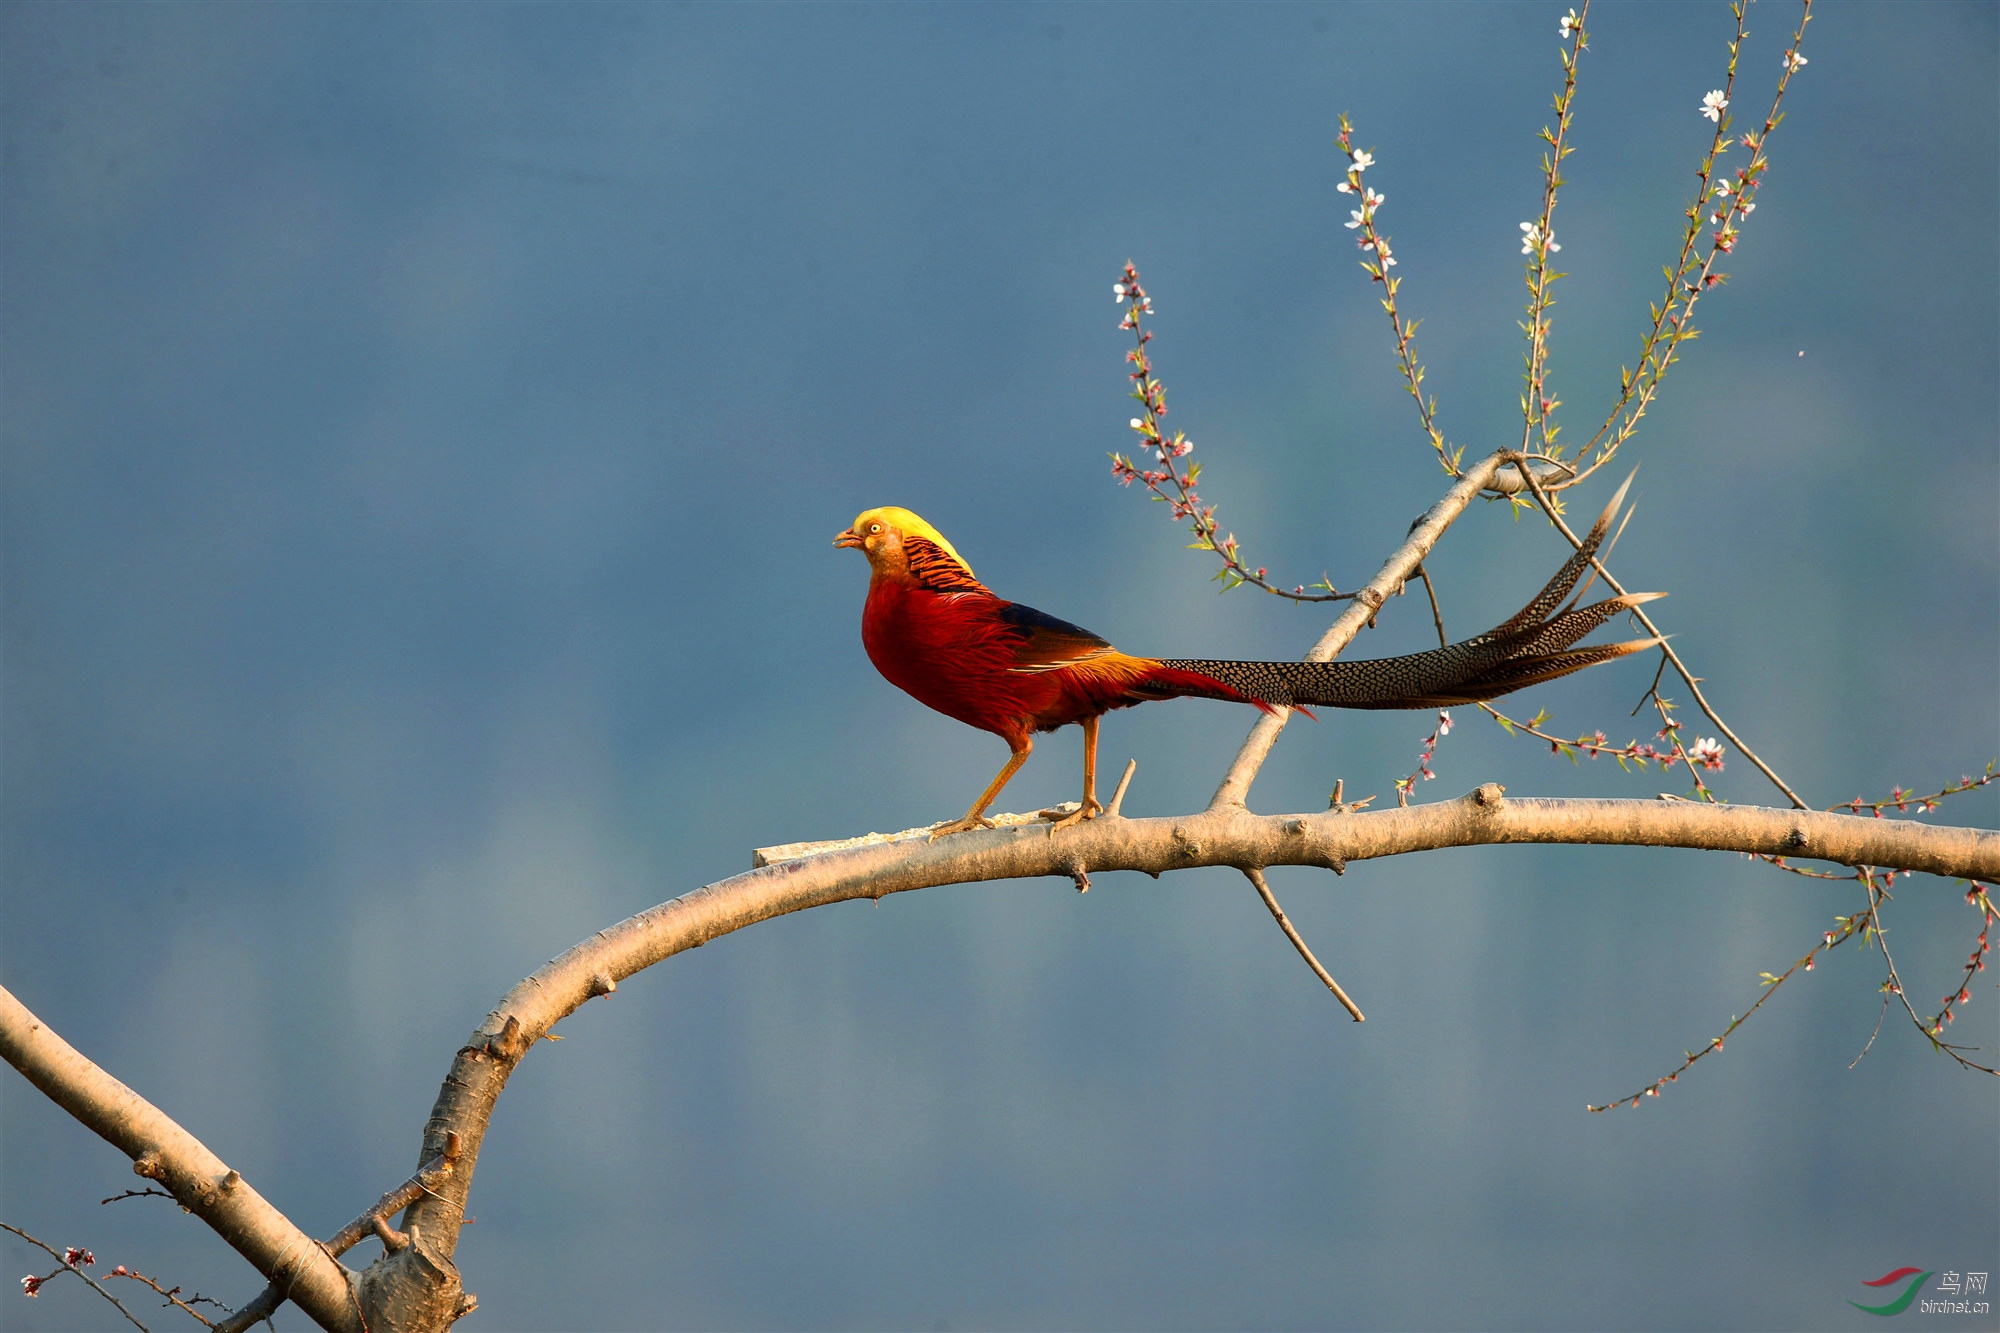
{"x": 423, "y": 431}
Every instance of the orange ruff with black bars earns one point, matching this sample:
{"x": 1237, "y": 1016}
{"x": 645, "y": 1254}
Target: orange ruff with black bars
{"x": 935, "y": 631}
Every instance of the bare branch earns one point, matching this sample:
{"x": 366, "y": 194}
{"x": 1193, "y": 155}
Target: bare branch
{"x": 170, "y": 1156}
{"x": 1222, "y": 835}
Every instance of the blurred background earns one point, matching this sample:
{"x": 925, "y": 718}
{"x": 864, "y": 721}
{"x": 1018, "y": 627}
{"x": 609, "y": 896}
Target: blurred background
{"x": 424, "y": 428}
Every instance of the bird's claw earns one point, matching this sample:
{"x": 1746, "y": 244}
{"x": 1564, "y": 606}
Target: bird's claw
{"x": 1090, "y": 809}
{"x": 966, "y": 825}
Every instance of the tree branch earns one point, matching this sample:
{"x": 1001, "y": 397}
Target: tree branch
{"x": 164, "y": 1152}
{"x": 1222, "y": 835}
{"x": 266, "y": 1302}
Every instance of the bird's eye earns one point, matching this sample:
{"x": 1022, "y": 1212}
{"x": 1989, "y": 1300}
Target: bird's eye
{"x": 874, "y": 527}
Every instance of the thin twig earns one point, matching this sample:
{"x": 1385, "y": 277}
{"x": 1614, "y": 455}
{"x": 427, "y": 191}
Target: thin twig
{"x": 1901, "y": 799}
{"x": 1539, "y": 241}
{"x": 173, "y": 1295}
{"x": 147, "y": 1193}
{"x": 1373, "y": 242}
{"x": 68, "y": 1267}
{"x": 1167, "y": 482}
{"x": 1833, "y": 938}
{"x": 1256, "y": 878}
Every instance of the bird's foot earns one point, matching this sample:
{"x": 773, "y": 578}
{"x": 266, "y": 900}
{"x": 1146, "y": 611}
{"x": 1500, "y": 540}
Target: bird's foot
{"x": 965, "y": 825}
{"x": 1062, "y": 817}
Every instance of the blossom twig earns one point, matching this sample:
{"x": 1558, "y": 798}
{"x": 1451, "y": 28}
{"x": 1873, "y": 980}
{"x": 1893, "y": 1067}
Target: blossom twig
{"x": 1845, "y": 927}
{"x": 74, "y": 1260}
{"x": 1168, "y": 483}
{"x": 1706, "y": 753}
{"x": 1902, "y": 800}
{"x": 1538, "y": 241}
{"x": 1688, "y": 277}
{"x": 1374, "y": 243}
{"x": 1405, "y": 785}
{"x": 173, "y": 1295}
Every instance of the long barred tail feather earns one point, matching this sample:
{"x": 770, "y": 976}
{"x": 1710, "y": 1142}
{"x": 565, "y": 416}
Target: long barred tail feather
{"x": 1530, "y": 647}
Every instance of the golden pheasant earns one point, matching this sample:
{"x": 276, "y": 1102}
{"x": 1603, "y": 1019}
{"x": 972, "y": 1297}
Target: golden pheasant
{"x": 938, "y": 633}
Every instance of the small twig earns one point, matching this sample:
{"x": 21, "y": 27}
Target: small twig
{"x": 1870, "y": 1044}
{"x": 1902, "y": 799}
{"x": 1373, "y": 242}
{"x": 1256, "y": 878}
{"x": 1118, "y": 796}
{"x": 146, "y": 1193}
{"x": 1168, "y": 483}
{"x": 1437, "y": 616}
{"x": 173, "y": 1295}
{"x": 68, "y": 1267}
{"x": 1848, "y": 926}
{"x": 1539, "y": 241}
{"x": 1932, "y": 1028}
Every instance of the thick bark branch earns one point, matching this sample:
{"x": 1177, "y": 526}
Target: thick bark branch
{"x": 266, "y": 1303}
{"x": 164, "y": 1152}
{"x": 1226, "y": 835}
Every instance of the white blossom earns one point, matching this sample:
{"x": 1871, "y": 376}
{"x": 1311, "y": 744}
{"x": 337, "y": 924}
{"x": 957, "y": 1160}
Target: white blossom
{"x": 1118, "y": 293}
{"x": 1722, "y": 187}
{"x": 1344, "y": 188}
{"x": 1360, "y": 162}
{"x": 1566, "y": 25}
{"x": 1356, "y": 215}
{"x": 1714, "y": 104}
{"x": 1793, "y": 60}
{"x": 1531, "y": 236}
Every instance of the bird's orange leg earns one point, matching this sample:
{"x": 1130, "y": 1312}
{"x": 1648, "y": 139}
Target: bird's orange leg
{"x": 976, "y": 816}
{"x": 1090, "y": 808}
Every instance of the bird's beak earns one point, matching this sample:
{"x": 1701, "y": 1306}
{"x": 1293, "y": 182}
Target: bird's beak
{"x": 848, "y": 538}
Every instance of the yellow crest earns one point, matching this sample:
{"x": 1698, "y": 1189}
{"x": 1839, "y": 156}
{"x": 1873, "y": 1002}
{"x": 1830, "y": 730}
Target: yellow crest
{"x": 910, "y": 525}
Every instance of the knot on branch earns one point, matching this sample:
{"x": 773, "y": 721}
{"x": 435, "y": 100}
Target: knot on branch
{"x": 506, "y": 1044}
{"x": 412, "y": 1288}
{"x": 1185, "y": 842}
{"x": 1488, "y": 795}
{"x": 147, "y": 1164}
